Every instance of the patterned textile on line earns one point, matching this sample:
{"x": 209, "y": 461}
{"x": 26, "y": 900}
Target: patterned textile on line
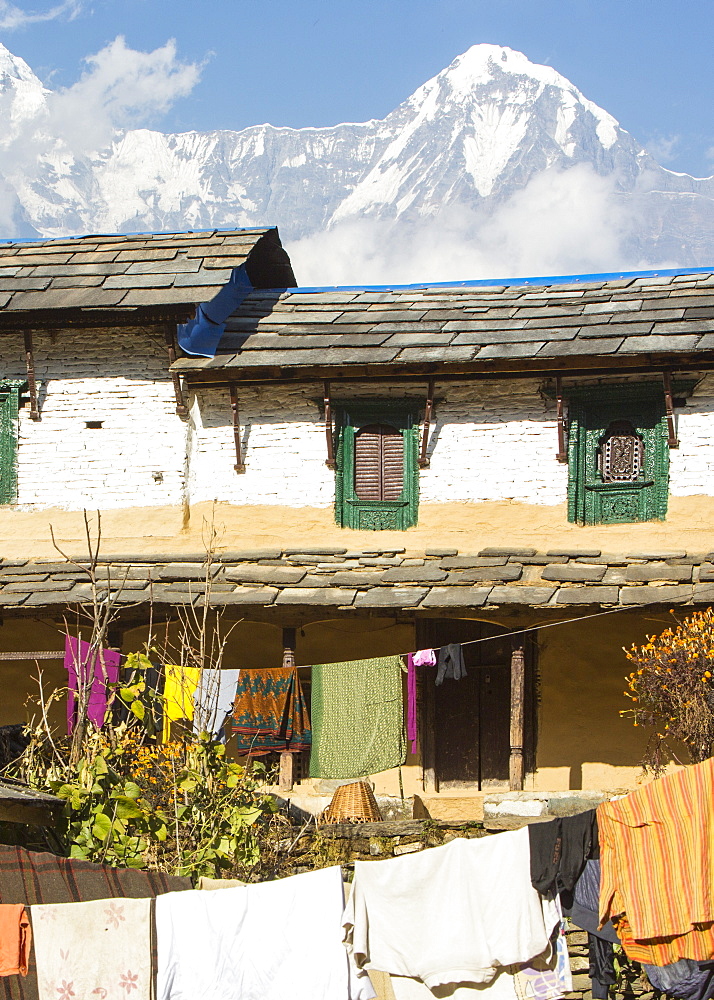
{"x": 32, "y": 877}
{"x": 270, "y": 712}
{"x": 357, "y": 718}
{"x": 657, "y": 867}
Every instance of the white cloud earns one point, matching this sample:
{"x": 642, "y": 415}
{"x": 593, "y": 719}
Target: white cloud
{"x": 570, "y": 221}
{"x": 664, "y": 148}
{"x": 50, "y": 131}
{"x": 121, "y": 88}
{"x": 12, "y": 17}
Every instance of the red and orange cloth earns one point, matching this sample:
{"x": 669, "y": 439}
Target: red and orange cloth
{"x": 15, "y": 939}
{"x": 657, "y": 867}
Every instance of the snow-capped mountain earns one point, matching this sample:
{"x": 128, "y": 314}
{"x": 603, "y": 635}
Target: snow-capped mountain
{"x": 471, "y": 138}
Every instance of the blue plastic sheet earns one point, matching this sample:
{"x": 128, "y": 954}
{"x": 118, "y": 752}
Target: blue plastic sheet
{"x": 202, "y": 334}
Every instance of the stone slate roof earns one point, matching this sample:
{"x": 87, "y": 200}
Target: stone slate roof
{"x": 122, "y": 275}
{"x": 375, "y": 578}
{"x": 632, "y": 321}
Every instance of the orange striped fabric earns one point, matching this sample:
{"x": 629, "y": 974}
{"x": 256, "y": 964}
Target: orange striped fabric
{"x": 657, "y": 867}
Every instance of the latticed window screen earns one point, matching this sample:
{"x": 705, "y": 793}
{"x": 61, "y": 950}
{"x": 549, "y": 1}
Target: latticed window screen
{"x": 618, "y": 458}
{"x": 379, "y": 462}
{"x": 621, "y": 453}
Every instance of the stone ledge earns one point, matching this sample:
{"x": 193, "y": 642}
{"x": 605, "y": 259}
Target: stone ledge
{"x": 388, "y": 578}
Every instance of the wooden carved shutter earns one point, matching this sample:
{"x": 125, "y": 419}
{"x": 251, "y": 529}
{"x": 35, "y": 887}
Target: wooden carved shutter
{"x": 379, "y": 463}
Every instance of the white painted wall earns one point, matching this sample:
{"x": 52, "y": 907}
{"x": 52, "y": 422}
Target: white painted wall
{"x": 494, "y": 441}
{"x": 119, "y": 379}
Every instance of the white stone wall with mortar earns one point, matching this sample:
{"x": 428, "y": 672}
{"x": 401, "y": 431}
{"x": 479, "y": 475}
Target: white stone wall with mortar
{"x": 137, "y": 456}
{"x": 488, "y": 441}
{"x": 692, "y": 464}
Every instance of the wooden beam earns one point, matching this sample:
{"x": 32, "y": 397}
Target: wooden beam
{"x": 31, "y": 380}
{"x": 426, "y": 706}
{"x": 286, "y": 778}
{"x": 181, "y": 408}
{"x": 240, "y": 464}
{"x": 516, "y": 767}
{"x": 672, "y": 439}
{"x": 562, "y": 455}
{"x": 428, "y": 410}
{"x": 329, "y": 435}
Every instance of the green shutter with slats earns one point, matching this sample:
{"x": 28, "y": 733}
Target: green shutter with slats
{"x": 377, "y": 484}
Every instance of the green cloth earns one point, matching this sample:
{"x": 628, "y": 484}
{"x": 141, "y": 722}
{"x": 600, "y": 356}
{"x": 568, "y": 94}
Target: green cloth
{"x": 357, "y": 718}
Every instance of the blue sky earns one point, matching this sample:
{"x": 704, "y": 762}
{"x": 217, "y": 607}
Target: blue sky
{"x": 319, "y": 62}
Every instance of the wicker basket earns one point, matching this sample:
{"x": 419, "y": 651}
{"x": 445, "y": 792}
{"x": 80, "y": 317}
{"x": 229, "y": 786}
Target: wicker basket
{"x": 353, "y": 803}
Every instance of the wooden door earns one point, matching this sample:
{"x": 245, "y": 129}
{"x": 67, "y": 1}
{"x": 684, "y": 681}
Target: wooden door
{"x": 471, "y": 738}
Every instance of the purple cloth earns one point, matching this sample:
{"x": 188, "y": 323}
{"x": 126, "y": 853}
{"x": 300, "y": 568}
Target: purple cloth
{"x": 97, "y": 674}
{"x": 411, "y": 702}
{"x": 424, "y": 658}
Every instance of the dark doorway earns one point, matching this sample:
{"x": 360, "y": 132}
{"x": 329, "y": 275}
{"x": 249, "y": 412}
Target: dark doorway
{"x": 471, "y": 717}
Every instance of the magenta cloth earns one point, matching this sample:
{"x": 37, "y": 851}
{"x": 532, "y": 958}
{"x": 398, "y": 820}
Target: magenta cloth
{"x": 424, "y": 658}
{"x": 78, "y": 664}
{"x": 411, "y": 702}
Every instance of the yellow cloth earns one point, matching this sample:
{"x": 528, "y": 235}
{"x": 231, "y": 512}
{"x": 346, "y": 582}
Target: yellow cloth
{"x": 179, "y": 686}
{"x": 657, "y": 867}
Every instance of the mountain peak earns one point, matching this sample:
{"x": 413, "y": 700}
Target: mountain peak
{"x": 484, "y": 62}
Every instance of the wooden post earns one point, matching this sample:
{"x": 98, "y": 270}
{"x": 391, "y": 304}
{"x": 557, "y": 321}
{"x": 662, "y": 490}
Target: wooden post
{"x": 181, "y": 408}
{"x": 516, "y": 770}
{"x": 240, "y": 464}
{"x": 562, "y": 455}
{"x": 672, "y": 439}
{"x": 427, "y": 713}
{"x": 31, "y": 381}
{"x": 428, "y": 410}
{"x": 287, "y": 760}
{"x": 330, "y": 460}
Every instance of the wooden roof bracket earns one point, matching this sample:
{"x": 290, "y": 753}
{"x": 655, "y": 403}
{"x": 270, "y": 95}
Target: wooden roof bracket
{"x": 181, "y": 408}
{"x": 329, "y": 433}
{"x": 240, "y": 464}
{"x": 672, "y": 439}
{"x": 31, "y": 380}
{"x": 428, "y": 413}
{"x": 562, "y": 455}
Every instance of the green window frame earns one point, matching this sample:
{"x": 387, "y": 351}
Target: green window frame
{"x": 594, "y": 414}
{"x": 9, "y": 410}
{"x": 351, "y": 511}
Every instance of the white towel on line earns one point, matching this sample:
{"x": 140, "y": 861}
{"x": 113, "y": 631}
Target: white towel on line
{"x": 99, "y": 950}
{"x": 265, "y": 941}
{"x": 452, "y": 914}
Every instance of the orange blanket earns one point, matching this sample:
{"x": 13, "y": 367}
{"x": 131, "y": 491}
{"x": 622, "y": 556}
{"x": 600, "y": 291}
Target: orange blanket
{"x": 657, "y": 867}
{"x": 15, "y": 939}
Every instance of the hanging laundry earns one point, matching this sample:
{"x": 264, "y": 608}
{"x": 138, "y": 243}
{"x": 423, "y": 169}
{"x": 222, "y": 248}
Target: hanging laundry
{"x": 87, "y": 679}
{"x": 15, "y": 939}
{"x": 411, "y": 703}
{"x": 270, "y": 712}
{"x": 450, "y": 663}
{"x": 657, "y": 860}
{"x": 586, "y": 899}
{"x": 179, "y": 685}
{"x": 213, "y": 700}
{"x": 153, "y": 680}
{"x": 559, "y": 850}
{"x": 32, "y": 877}
{"x": 218, "y": 945}
{"x": 357, "y": 718}
{"x": 450, "y": 915}
{"x": 685, "y": 979}
{"x": 601, "y": 966}
{"x": 97, "y": 950}
{"x": 422, "y": 658}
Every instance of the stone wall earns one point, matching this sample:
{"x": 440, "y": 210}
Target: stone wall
{"x": 490, "y": 441}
